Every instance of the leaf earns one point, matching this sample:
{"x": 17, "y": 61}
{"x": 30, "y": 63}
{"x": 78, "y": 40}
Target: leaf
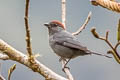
{"x": 118, "y": 31}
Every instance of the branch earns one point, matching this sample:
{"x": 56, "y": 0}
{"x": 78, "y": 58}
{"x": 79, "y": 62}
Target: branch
{"x": 2, "y": 78}
{"x": 116, "y": 56}
{"x": 117, "y": 45}
{"x": 4, "y": 57}
{"x": 84, "y": 25}
{"x": 66, "y": 70}
{"x": 113, "y": 51}
{"x": 36, "y": 66}
{"x": 29, "y": 47}
{"x": 108, "y": 4}
{"x": 10, "y": 71}
{"x": 64, "y": 12}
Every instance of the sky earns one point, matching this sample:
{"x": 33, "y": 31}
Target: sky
{"x": 91, "y": 67}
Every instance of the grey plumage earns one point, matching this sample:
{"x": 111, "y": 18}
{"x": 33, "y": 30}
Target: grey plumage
{"x": 64, "y": 44}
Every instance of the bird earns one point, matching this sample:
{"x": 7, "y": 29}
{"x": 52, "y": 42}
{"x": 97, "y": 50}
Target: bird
{"x": 64, "y": 44}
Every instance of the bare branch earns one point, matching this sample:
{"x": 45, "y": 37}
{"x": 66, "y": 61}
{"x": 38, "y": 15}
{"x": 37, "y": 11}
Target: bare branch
{"x": 96, "y": 35}
{"x": 117, "y": 45}
{"x": 108, "y": 4}
{"x": 113, "y": 51}
{"x": 4, "y": 57}
{"x": 0, "y": 68}
{"x": 108, "y": 42}
{"x": 107, "y": 32}
{"x": 64, "y": 12}
{"x": 66, "y": 70}
{"x": 84, "y": 25}
{"x": 10, "y": 71}
{"x": 36, "y": 66}
{"x": 116, "y": 56}
{"x": 2, "y": 78}
{"x": 29, "y": 47}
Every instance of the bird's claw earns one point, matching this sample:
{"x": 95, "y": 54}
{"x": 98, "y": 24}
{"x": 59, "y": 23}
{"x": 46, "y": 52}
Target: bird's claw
{"x": 65, "y": 67}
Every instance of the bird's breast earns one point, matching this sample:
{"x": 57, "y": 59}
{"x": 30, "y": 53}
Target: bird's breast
{"x": 61, "y": 50}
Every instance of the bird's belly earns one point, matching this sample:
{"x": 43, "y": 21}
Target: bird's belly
{"x": 65, "y": 52}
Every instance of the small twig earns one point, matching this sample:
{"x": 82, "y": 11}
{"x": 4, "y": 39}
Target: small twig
{"x": 0, "y": 68}
{"x": 113, "y": 51}
{"x": 29, "y": 47}
{"x": 4, "y": 57}
{"x": 10, "y": 71}
{"x": 66, "y": 70}
{"x": 102, "y": 38}
{"x": 116, "y": 56}
{"x": 107, "y": 35}
{"x": 117, "y": 45}
{"x": 2, "y": 78}
{"x": 108, "y": 4}
{"x": 64, "y": 12}
{"x": 108, "y": 42}
{"x": 84, "y": 25}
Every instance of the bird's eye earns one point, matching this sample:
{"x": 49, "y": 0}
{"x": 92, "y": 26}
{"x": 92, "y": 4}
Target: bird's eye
{"x": 55, "y": 25}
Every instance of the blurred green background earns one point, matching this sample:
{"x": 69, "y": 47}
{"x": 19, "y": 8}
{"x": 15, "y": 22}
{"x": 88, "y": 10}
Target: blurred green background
{"x": 91, "y": 67}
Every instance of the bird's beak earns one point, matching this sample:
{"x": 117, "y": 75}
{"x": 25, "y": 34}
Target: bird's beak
{"x": 46, "y": 24}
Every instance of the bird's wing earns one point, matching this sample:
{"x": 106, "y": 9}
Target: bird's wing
{"x": 74, "y": 44}
{"x": 70, "y": 42}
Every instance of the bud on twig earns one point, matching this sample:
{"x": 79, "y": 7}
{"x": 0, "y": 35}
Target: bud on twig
{"x": 93, "y": 2}
{"x": 107, "y": 32}
{"x": 109, "y": 52}
{"x": 95, "y": 34}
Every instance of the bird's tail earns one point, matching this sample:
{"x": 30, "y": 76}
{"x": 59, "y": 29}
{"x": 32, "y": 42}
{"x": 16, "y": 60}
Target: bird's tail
{"x": 101, "y": 55}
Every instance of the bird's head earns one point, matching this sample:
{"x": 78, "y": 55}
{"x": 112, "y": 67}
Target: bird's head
{"x": 54, "y": 26}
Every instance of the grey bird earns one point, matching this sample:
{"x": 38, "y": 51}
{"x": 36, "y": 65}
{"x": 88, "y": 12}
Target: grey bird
{"x": 64, "y": 44}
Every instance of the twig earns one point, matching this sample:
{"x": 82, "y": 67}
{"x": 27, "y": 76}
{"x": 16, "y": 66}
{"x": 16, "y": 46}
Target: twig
{"x": 64, "y": 23}
{"x": 23, "y": 59}
{"x": 113, "y": 51}
{"x": 84, "y": 25}
{"x": 2, "y": 78}
{"x": 116, "y": 56}
{"x": 66, "y": 70}
{"x": 10, "y": 71}
{"x": 102, "y": 38}
{"x": 0, "y": 68}
{"x": 64, "y": 12}
{"x": 117, "y": 45}
{"x": 29, "y": 47}
{"x": 108, "y": 4}
{"x": 107, "y": 32}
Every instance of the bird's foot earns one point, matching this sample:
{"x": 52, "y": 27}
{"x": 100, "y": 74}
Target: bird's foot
{"x": 65, "y": 67}
{"x": 62, "y": 59}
